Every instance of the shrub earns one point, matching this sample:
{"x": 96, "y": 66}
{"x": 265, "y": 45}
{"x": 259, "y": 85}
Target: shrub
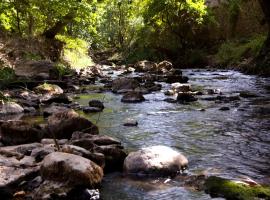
{"x": 233, "y": 52}
{"x": 75, "y": 52}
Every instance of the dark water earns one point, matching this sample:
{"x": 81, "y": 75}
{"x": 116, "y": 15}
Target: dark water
{"x": 228, "y": 143}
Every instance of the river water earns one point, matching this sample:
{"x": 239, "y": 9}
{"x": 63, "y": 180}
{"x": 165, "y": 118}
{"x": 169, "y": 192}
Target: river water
{"x": 230, "y": 143}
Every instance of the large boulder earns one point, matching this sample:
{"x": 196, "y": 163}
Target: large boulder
{"x": 19, "y": 132}
{"x": 155, "y": 161}
{"x": 63, "y": 124}
{"x": 127, "y": 84}
{"x": 133, "y": 97}
{"x": 71, "y": 169}
{"x": 7, "y": 108}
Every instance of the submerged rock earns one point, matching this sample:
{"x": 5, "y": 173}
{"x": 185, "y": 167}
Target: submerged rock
{"x": 133, "y": 97}
{"x": 71, "y": 169}
{"x": 155, "y": 161}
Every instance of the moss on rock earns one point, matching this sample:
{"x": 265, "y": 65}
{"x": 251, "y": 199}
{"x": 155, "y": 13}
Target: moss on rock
{"x": 232, "y": 190}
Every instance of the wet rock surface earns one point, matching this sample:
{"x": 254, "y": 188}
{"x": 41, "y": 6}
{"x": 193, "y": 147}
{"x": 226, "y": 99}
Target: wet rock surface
{"x": 155, "y": 161}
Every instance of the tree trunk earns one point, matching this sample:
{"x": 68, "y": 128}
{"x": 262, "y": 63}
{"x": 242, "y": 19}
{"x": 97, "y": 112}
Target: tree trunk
{"x": 263, "y": 59}
{"x": 53, "y": 31}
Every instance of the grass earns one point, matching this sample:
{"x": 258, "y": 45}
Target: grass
{"x": 233, "y": 52}
{"x": 7, "y": 75}
{"x": 75, "y": 52}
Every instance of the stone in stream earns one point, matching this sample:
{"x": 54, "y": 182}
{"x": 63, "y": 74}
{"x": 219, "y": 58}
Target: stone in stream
{"x": 175, "y": 79}
{"x": 53, "y": 109}
{"x": 63, "y": 124}
{"x": 145, "y": 66}
{"x": 127, "y": 84}
{"x": 164, "y": 67}
{"x": 71, "y": 169}
{"x": 56, "y": 98}
{"x": 67, "y": 176}
{"x": 96, "y": 104}
{"x": 224, "y": 108}
{"x": 20, "y": 132}
{"x": 130, "y": 122}
{"x": 133, "y": 97}
{"x": 155, "y": 161}
{"x": 7, "y": 108}
{"x": 179, "y": 87}
{"x": 184, "y": 97}
{"x": 48, "y": 89}
{"x": 114, "y": 156}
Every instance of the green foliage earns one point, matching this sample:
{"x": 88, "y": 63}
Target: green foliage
{"x": 219, "y": 187}
{"x": 33, "y": 17}
{"x": 7, "y": 75}
{"x": 234, "y": 51}
{"x": 75, "y": 52}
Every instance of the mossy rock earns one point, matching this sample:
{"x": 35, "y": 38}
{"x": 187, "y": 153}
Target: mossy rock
{"x": 48, "y": 89}
{"x": 232, "y": 190}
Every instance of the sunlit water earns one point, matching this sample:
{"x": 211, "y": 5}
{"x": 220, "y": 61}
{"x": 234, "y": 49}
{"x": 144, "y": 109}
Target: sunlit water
{"x": 227, "y": 143}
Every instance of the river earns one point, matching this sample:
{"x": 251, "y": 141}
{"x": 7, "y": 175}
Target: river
{"x": 229, "y": 143}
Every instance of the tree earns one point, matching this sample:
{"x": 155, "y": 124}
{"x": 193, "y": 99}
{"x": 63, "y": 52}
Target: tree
{"x": 263, "y": 59}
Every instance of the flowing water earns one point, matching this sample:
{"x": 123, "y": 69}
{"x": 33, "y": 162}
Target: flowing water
{"x": 228, "y": 143}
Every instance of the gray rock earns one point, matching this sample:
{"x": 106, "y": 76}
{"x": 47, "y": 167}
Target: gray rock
{"x": 53, "y": 109}
{"x": 71, "y": 169}
{"x": 156, "y": 161}
{"x": 96, "y": 104}
{"x": 130, "y": 122}
{"x": 8, "y": 108}
{"x": 63, "y": 124}
{"x": 20, "y": 132}
{"x": 184, "y": 97}
{"x": 133, "y": 97}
